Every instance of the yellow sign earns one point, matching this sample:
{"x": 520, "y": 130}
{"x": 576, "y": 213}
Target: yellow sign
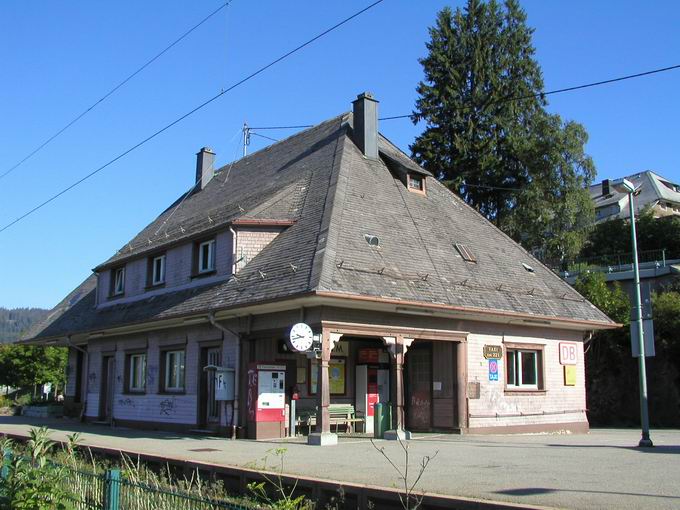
{"x": 337, "y": 374}
{"x": 570, "y": 375}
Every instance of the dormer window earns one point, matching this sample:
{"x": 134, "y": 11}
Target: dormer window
{"x": 416, "y": 183}
{"x": 158, "y": 270}
{"x": 118, "y": 281}
{"x": 206, "y": 256}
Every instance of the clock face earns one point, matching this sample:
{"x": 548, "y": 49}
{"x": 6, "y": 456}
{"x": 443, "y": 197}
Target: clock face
{"x": 301, "y": 337}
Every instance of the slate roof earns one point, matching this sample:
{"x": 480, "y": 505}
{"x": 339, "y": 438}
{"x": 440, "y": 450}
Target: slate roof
{"x": 320, "y": 180}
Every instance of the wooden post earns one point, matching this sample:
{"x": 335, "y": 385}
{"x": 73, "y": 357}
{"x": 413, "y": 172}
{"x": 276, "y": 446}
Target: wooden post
{"x": 398, "y": 392}
{"x": 322, "y": 435}
{"x": 461, "y": 384}
{"x": 397, "y": 348}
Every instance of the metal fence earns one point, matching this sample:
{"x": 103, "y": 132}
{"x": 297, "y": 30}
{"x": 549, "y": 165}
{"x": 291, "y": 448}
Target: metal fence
{"x": 112, "y": 491}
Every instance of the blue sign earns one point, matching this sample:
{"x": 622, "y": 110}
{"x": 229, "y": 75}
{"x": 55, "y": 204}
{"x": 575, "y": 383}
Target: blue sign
{"x": 493, "y": 370}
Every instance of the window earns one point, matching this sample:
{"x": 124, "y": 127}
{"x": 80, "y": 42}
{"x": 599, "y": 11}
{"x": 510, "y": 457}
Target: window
{"x": 206, "y": 256}
{"x": 137, "y": 372}
{"x": 174, "y": 371}
{"x": 465, "y": 252}
{"x": 158, "y": 270}
{"x": 118, "y": 281}
{"x": 416, "y": 183}
{"x": 524, "y": 368}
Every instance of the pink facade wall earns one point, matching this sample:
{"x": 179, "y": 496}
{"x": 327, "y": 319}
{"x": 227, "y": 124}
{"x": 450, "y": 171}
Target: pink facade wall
{"x": 500, "y": 407}
{"x": 154, "y": 406}
{"x": 178, "y": 271}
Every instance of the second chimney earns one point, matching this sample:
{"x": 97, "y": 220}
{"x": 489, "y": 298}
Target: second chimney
{"x": 205, "y": 163}
{"x": 365, "y": 127}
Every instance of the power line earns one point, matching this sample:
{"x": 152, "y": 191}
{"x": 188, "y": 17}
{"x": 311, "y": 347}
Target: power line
{"x": 263, "y": 136}
{"x": 519, "y": 98}
{"x": 179, "y": 119}
{"x": 114, "y": 89}
{"x": 566, "y": 89}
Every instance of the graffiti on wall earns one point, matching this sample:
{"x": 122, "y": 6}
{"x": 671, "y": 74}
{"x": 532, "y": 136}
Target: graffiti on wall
{"x": 168, "y": 407}
{"x": 126, "y": 402}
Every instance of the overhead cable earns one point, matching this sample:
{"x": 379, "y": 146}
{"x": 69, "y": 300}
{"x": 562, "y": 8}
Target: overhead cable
{"x": 114, "y": 89}
{"x": 191, "y": 112}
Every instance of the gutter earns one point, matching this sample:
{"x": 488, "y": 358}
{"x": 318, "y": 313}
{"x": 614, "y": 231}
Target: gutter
{"x": 545, "y": 320}
{"x": 235, "y": 404}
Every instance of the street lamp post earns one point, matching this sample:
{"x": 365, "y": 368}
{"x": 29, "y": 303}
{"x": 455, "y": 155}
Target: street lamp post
{"x": 625, "y": 186}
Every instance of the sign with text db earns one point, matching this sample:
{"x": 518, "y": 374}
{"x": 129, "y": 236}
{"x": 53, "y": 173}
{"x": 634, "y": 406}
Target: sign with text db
{"x": 568, "y": 353}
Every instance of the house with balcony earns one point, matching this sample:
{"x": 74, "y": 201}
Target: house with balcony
{"x": 656, "y": 193}
{"x": 414, "y": 300}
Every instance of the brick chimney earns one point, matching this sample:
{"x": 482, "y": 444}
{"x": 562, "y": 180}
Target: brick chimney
{"x": 205, "y": 167}
{"x": 365, "y": 129}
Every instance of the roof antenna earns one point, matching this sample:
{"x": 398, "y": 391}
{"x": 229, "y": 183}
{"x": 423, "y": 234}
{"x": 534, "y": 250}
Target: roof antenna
{"x": 246, "y": 139}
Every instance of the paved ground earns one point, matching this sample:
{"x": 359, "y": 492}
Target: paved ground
{"x": 600, "y": 470}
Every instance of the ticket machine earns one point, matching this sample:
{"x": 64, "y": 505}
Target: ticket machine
{"x": 266, "y": 400}
{"x": 372, "y": 383}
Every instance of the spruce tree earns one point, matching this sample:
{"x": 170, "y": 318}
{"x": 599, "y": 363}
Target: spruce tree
{"x": 488, "y": 134}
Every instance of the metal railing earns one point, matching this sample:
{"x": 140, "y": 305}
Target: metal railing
{"x": 112, "y": 491}
{"x": 612, "y": 263}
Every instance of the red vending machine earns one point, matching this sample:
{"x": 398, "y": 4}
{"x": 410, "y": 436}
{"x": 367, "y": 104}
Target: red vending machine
{"x": 266, "y": 400}
{"x": 372, "y": 382}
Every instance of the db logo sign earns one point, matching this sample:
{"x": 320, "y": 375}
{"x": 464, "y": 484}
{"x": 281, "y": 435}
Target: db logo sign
{"x": 568, "y": 353}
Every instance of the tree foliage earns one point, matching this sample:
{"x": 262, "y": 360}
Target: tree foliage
{"x": 24, "y": 366}
{"x": 613, "y": 236}
{"x": 612, "y": 372}
{"x": 479, "y": 138}
{"x": 15, "y": 321}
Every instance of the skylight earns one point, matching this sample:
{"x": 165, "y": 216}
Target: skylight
{"x": 528, "y": 268}
{"x": 372, "y": 240}
{"x": 465, "y": 252}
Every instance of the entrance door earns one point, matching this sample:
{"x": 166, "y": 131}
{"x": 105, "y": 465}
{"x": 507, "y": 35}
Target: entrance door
{"x": 419, "y": 387}
{"x": 214, "y": 357}
{"x": 107, "y": 388}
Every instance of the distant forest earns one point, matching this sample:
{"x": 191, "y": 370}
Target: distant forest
{"x": 15, "y": 321}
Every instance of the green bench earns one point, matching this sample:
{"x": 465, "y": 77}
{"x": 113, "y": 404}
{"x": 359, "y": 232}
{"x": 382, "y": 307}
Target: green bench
{"x": 340, "y": 414}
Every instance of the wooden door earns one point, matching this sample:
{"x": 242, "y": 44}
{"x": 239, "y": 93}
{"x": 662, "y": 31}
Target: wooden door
{"x": 107, "y": 388}
{"x": 419, "y": 387}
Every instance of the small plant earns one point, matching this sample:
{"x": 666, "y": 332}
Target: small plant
{"x": 410, "y": 500}
{"x": 283, "y": 498}
{"x": 33, "y": 482}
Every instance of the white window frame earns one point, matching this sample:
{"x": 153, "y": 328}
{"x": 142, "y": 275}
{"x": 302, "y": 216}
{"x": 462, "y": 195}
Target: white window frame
{"x": 518, "y": 383}
{"x": 178, "y": 358}
{"x": 118, "y": 281}
{"x": 138, "y": 369}
{"x": 210, "y": 246}
{"x": 155, "y": 278}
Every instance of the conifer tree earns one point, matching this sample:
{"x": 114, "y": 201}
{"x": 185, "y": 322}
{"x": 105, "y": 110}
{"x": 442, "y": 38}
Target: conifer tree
{"x": 487, "y": 128}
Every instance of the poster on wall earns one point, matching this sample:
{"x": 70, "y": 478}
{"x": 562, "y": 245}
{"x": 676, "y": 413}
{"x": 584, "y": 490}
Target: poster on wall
{"x": 493, "y": 370}
{"x": 337, "y": 375}
{"x": 570, "y": 375}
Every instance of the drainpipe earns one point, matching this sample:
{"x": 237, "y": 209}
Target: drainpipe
{"x": 235, "y": 403}
{"x": 233, "y": 249}
{"x": 87, "y": 372}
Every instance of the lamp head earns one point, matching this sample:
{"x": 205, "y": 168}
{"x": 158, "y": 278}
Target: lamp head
{"x": 623, "y": 186}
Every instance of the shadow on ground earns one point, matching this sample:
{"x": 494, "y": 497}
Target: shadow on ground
{"x": 537, "y": 491}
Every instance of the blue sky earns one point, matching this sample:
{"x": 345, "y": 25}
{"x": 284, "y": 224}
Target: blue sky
{"x": 60, "y": 57}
